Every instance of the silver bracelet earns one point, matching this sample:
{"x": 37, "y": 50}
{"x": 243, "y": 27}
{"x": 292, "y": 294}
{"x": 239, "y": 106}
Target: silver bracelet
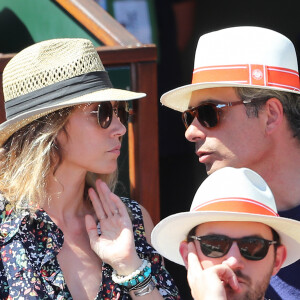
{"x": 145, "y": 290}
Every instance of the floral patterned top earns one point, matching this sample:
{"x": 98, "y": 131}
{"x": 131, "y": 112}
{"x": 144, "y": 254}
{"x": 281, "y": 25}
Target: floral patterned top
{"x": 29, "y": 267}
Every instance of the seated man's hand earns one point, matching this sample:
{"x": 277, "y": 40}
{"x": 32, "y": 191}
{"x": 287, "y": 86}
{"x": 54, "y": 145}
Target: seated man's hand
{"x": 209, "y": 283}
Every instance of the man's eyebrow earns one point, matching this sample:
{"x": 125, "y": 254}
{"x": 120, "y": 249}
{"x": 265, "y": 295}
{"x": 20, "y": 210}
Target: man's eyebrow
{"x": 210, "y": 100}
{"x": 257, "y": 235}
{"x": 254, "y": 235}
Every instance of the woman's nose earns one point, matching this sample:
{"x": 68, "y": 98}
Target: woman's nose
{"x": 118, "y": 128}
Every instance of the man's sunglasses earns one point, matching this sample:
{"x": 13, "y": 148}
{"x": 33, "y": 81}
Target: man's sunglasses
{"x": 208, "y": 114}
{"x": 105, "y": 113}
{"x": 215, "y": 246}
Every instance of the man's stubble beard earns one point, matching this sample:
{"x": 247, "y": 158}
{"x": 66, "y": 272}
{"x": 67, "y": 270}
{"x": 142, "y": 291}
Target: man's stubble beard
{"x": 253, "y": 293}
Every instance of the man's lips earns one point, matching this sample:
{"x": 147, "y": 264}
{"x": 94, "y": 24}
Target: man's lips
{"x": 203, "y": 156}
{"x": 240, "y": 280}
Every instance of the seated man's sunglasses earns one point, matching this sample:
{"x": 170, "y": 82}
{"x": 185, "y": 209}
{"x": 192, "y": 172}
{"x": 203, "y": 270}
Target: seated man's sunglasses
{"x": 105, "y": 113}
{"x": 215, "y": 246}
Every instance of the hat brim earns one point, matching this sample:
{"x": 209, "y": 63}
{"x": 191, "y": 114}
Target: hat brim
{"x": 171, "y": 231}
{"x": 10, "y": 126}
{"x": 179, "y": 98}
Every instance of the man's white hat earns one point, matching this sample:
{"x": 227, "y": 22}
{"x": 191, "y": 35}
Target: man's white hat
{"x": 229, "y": 194}
{"x": 240, "y": 57}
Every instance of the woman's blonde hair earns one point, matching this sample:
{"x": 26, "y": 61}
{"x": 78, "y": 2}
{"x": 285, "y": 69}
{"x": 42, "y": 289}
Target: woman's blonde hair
{"x": 28, "y": 157}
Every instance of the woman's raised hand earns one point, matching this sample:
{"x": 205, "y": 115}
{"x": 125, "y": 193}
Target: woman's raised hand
{"x": 115, "y": 246}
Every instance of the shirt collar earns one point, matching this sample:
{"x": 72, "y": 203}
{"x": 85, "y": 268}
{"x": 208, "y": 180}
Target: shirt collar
{"x": 11, "y": 221}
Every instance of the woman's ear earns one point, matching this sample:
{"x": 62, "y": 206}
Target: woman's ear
{"x": 183, "y": 249}
{"x": 274, "y": 111}
{"x": 279, "y": 259}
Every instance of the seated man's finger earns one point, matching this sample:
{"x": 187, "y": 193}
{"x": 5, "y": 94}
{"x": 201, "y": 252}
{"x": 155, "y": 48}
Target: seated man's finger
{"x": 193, "y": 261}
{"x": 227, "y": 275}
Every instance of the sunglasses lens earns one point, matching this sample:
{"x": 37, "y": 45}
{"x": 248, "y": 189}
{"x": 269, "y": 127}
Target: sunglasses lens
{"x": 215, "y": 246}
{"x": 187, "y": 118}
{"x": 105, "y": 114}
{"x": 208, "y": 115}
{"x": 122, "y": 112}
{"x": 253, "y": 248}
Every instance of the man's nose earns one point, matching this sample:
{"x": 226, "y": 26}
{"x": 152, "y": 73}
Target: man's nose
{"x": 234, "y": 258}
{"x": 194, "y": 132}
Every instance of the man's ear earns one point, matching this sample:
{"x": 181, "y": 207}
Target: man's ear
{"x": 183, "y": 249}
{"x": 274, "y": 111}
{"x": 279, "y": 259}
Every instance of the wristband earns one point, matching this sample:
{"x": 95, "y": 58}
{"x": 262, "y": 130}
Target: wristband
{"x": 147, "y": 289}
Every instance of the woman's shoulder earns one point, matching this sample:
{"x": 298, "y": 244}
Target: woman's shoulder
{"x": 135, "y": 213}
{"x": 140, "y": 217}
{"x": 132, "y": 205}
{"x": 129, "y": 202}
{"x": 5, "y": 208}
{"x": 9, "y": 222}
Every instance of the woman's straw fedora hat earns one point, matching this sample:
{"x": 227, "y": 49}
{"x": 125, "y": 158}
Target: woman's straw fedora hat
{"x": 240, "y": 57}
{"x": 53, "y": 74}
{"x": 228, "y": 194}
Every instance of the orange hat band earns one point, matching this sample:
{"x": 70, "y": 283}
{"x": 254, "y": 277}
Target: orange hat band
{"x": 236, "y": 205}
{"x": 259, "y": 75}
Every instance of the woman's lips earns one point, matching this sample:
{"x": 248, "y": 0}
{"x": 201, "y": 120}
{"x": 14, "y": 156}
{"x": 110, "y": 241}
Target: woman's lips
{"x": 115, "y": 150}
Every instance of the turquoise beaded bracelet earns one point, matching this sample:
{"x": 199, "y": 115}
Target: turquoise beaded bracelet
{"x": 135, "y": 278}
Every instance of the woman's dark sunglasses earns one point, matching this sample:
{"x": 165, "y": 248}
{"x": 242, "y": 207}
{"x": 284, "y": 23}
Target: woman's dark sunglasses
{"x": 105, "y": 113}
{"x": 208, "y": 114}
{"x": 215, "y": 246}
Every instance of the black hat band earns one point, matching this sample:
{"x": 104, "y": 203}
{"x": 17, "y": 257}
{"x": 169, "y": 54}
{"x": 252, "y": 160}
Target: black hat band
{"x": 58, "y": 92}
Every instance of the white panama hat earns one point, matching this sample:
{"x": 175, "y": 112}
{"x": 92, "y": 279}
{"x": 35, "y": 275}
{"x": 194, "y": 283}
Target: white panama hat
{"x": 51, "y": 75}
{"x": 228, "y": 194}
{"x": 243, "y": 56}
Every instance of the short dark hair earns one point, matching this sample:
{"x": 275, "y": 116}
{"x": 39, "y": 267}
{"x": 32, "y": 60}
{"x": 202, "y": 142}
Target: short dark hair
{"x": 276, "y": 238}
{"x": 290, "y": 104}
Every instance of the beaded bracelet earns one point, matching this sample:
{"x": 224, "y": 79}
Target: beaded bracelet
{"x": 135, "y": 278}
{"x": 141, "y": 285}
{"x": 121, "y": 279}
